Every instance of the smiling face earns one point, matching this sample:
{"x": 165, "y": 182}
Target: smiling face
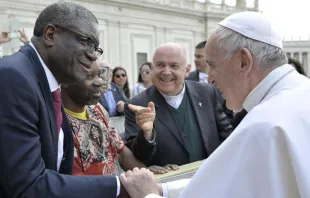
{"x": 230, "y": 75}
{"x": 169, "y": 69}
{"x": 120, "y": 77}
{"x": 90, "y": 92}
{"x": 146, "y": 73}
{"x": 71, "y": 55}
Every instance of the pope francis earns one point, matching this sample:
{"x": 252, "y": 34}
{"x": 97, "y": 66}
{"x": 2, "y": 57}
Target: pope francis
{"x": 267, "y": 156}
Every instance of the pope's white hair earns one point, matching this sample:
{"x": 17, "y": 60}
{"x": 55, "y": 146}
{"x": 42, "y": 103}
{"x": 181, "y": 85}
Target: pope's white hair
{"x": 265, "y": 55}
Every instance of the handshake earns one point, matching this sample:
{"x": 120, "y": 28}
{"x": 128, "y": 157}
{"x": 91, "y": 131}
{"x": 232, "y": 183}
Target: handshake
{"x": 139, "y": 183}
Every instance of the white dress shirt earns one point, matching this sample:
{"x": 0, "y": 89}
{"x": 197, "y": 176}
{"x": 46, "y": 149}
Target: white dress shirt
{"x": 175, "y": 101}
{"x": 203, "y": 77}
{"x": 53, "y": 84}
{"x": 137, "y": 89}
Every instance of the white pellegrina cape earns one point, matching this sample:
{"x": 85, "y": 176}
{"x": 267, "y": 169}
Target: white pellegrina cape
{"x": 268, "y": 154}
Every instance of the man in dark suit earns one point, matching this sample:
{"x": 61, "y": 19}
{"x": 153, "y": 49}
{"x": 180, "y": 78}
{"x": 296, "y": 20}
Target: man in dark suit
{"x": 201, "y": 74}
{"x": 202, "y": 68}
{"x": 189, "y": 124}
{"x": 36, "y": 152}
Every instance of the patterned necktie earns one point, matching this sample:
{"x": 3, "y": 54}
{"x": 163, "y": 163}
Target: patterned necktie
{"x": 57, "y": 105}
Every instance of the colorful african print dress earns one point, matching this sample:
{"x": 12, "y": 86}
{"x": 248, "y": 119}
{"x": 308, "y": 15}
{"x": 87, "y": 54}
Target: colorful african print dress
{"x": 96, "y": 143}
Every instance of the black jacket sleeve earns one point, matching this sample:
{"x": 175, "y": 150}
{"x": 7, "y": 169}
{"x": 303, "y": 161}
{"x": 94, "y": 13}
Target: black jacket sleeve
{"x": 222, "y": 121}
{"x": 141, "y": 148}
{"x": 22, "y": 169}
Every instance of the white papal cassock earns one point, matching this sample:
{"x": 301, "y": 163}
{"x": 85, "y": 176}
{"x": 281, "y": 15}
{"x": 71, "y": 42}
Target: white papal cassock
{"x": 268, "y": 154}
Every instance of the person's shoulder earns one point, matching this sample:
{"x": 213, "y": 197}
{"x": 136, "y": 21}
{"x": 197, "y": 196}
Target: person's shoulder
{"x": 198, "y": 86}
{"x": 17, "y": 81}
{"x": 13, "y": 60}
{"x": 113, "y": 85}
{"x": 115, "y": 88}
{"x": 13, "y": 73}
{"x": 261, "y": 119}
{"x": 193, "y": 76}
{"x": 98, "y": 109}
{"x": 136, "y": 85}
{"x": 15, "y": 65}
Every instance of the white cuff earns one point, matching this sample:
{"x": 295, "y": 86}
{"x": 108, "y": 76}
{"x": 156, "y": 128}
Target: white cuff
{"x": 153, "y": 139}
{"x": 165, "y": 190}
{"x": 152, "y": 196}
{"x": 118, "y": 186}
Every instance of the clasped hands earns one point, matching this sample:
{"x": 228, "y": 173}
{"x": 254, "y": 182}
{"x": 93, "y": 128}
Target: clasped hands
{"x": 139, "y": 183}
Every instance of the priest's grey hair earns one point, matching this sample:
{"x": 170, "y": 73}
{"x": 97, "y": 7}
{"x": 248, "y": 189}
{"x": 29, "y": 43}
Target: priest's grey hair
{"x": 264, "y": 54}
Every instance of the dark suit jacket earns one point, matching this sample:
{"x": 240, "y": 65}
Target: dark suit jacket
{"x": 29, "y": 137}
{"x": 170, "y": 147}
{"x": 238, "y": 118}
{"x": 194, "y": 76}
{"x": 118, "y": 96}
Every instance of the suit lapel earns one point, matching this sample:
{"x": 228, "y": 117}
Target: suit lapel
{"x": 164, "y": 116}
{"x": 68, "y": 156}
{"x": 114, "y": 91}
{"x": 45, "y": 90}
{"x": 197, "y": 75}
{"x": 201, "y": 111}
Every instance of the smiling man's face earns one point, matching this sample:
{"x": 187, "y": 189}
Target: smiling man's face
{"x": 70, "y": 54}
{"x": 170, "y": 69}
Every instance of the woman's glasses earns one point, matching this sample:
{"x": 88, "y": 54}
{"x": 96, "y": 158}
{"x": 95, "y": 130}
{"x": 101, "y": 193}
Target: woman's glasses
{"x": 118, "y": 75}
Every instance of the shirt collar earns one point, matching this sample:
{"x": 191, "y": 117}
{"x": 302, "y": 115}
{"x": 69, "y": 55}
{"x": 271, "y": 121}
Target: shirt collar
{"x": 203, "y": 77}
{"x": 175, "y": 101}
{"x": 256, "y": 95}
{"x": 174, "y": 98}
{"x": 52, "y": 82}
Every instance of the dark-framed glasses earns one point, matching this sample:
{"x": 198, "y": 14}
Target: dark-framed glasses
{"x": 89, "y": 43}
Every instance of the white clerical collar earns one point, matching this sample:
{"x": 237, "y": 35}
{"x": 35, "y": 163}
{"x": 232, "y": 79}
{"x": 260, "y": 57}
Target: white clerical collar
{"x": 175, "y": 101}
{"x": 52, "y": 82}
{"x": 203, "y": 77}
{"x": 257, "y": 94}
